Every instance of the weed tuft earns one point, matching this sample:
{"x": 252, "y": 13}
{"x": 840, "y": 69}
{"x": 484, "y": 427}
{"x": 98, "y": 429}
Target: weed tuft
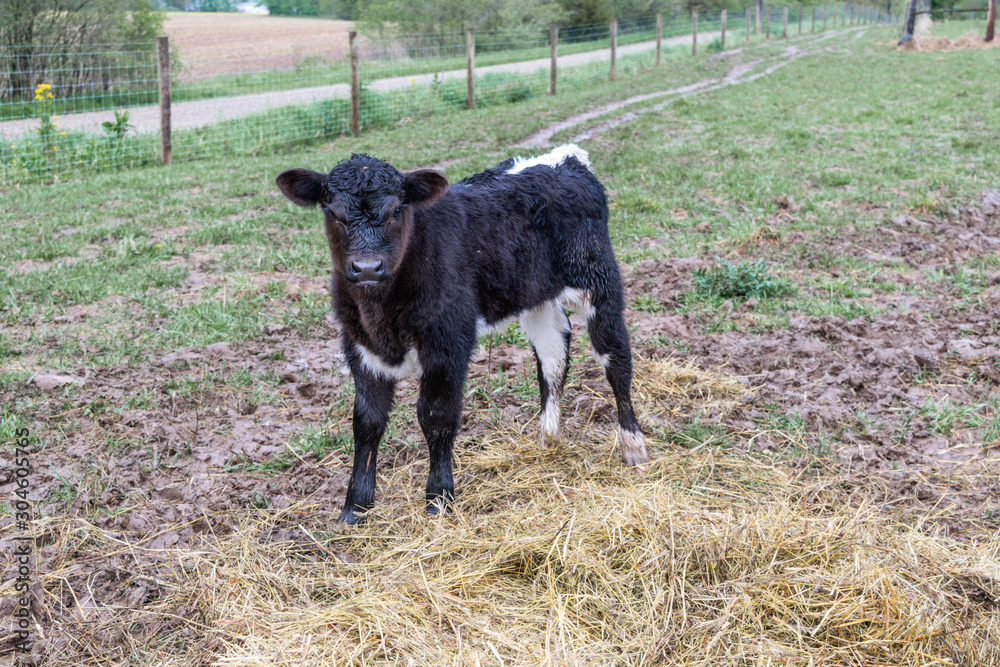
{"x": 748, "y": 279}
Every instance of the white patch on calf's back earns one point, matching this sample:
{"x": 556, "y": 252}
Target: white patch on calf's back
{"x": 553, "y": 158}
{"x": 410, "y": 367}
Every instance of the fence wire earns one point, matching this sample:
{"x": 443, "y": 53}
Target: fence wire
{"x": 65, "y": 110}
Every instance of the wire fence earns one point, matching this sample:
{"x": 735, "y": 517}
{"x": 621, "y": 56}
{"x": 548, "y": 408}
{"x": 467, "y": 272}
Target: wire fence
{"x": 65, "y": 110}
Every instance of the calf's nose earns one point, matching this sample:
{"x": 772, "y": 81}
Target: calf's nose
{"x": 366, "y": 271}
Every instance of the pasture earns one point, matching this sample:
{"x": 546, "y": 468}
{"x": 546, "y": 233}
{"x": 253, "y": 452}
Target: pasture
{"x": 812, "y": 269}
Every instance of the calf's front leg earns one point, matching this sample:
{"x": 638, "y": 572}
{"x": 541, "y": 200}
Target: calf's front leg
{"x": 373, "y": 397}
{"x": 439, "y": 411}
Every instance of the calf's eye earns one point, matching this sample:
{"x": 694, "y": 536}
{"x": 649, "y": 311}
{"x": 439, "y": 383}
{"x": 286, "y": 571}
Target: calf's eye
{"x": 397, "y": 212}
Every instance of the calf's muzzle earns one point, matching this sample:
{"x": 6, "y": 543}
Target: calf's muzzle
{"x": 366, "y": 272}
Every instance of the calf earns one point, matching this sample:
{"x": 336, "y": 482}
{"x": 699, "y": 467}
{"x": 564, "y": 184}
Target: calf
{"x": 420, "y": 269}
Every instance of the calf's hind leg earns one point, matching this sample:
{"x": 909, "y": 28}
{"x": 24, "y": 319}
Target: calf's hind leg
{"x": 609, "y": 338}
{"x": 547, "y": 327}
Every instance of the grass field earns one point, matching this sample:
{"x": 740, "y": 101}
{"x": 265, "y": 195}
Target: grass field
{"x": 813, "y": 286}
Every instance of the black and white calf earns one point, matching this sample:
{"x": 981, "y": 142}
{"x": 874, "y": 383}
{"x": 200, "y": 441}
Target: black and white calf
{"x": 420, "y": 269}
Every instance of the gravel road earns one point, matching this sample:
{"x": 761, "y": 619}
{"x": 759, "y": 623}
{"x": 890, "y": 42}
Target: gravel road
{"x": 205, "y": 112}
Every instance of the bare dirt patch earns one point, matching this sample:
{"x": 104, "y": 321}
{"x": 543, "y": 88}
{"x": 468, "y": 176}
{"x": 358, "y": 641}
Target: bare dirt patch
{"x": 210, "y": 44}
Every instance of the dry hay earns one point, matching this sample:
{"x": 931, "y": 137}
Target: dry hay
{"x": 557, "y": 556}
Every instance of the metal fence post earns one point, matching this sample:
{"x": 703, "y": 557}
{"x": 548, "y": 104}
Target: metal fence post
{"x": 470, "y": 57}
{"x": 694, "y": 32}
{"x": 722, "y": 36}
{"x": 659, "y": 36}
{"x": 554, "y": 42}
{"x": 352, "y": 38}
{"x": 163, "y": 67}
{"x": 614, "y": 45}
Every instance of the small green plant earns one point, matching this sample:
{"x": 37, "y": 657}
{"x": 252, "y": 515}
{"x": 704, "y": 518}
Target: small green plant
{"x": 648, "y": 303}
{"x": 946, "y": 415}
{"x": 119, "y": 127}
{"x": 744, "y": 280}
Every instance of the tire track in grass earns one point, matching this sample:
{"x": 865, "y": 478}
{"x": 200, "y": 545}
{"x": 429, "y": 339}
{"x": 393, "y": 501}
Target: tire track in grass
{"x": 739, "y": 73}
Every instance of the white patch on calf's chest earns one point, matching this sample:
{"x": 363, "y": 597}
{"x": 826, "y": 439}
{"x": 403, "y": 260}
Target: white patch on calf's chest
{"x": 410, "y": 367}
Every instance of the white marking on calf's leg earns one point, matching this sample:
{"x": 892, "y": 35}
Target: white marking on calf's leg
{"x": 547, "y": 327}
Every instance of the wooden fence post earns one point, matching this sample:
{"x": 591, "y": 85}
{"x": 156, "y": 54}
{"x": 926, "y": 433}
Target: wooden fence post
{"x": 784, "y": 24}
{"x": 746, "y": 27}
{"x": 722, "y": 37}
{"x": 470, "y": 68}
{"x": 352, "y": 39}
{"x": 991, "y": 16}
{"x": 767, "y": 23}
{"x": 799, "y": 10}
{"x": 694, "y": 32}
{"x": 824, "y": 17}
{"x": 163, "y": 66}
{"x": 659, "y": 36}
{"x": 756, "y": 17}
{"x": 554, "y": 41}
{"x": 614, "y": 46}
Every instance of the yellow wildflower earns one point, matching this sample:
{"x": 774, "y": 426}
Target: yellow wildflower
{"x": 62, "y": 134}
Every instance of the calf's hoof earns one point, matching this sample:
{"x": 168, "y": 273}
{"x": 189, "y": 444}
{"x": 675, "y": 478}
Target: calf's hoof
{"x": 545, "y": 439}
{"x": 436, "y": 504}
{"x": 634, "y": 449}
{"x": 349, "y": 518}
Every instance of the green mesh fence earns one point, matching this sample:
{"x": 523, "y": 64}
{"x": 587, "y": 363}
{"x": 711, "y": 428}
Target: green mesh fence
{"x": 96, "y": 108}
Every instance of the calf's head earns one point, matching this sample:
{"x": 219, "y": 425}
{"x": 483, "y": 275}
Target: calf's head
{"x": 368, "y": 208}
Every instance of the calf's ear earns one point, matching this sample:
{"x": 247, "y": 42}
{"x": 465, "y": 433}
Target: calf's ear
{"x": 302, "y": 186}
{"x": 423, "y": 187}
